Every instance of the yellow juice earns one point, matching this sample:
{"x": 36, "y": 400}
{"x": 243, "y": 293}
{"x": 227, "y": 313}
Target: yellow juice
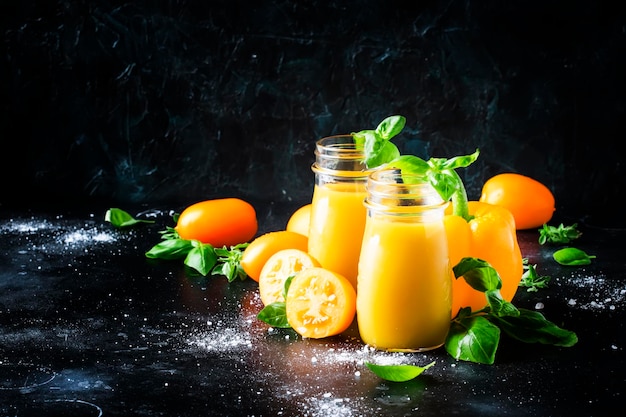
{"x": 404, "y": 284}
{"x": 336, "y": 226}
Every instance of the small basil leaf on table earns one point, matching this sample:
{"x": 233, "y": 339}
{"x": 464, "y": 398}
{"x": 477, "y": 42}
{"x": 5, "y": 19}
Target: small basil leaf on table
{"x": 397, "y": 373}
{"x": 120, "y": 218}
{"x": 572, "y": 256}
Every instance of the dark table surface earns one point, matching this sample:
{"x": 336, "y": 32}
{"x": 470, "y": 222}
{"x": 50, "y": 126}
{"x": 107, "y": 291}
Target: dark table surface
{"x": 89, "y": 326}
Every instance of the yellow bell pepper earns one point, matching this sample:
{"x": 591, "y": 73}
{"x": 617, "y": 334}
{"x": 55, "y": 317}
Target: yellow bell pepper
{"x": 474, "y": 229}
{"x": 490, "y": 235}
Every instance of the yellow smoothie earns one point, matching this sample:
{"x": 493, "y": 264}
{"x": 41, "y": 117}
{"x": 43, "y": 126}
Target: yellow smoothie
{"x": 336, "y": 227}
{"x": 404, "y": 285}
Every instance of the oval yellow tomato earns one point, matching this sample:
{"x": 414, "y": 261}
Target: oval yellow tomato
{"x": 530, "y": 202}
{"x": 219, "y": 222}
{"x": 256, "y": 254}
{"x": 299, "y": 220}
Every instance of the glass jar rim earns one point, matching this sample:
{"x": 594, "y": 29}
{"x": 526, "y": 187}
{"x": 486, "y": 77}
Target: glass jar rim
{"x": 389, "y": 187}
{"x": 340, "y": 155}
{"x": 339, "y": 146}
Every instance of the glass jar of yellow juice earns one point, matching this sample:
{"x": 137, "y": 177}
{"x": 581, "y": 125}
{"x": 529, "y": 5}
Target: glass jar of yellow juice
{"x": 337, "y": 212}
{"x": 404, "y": 287}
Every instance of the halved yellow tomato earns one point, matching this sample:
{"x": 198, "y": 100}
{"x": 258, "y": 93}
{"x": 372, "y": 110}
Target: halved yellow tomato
{"x": 278, "y": 268}
{"x": 320, "y": 303}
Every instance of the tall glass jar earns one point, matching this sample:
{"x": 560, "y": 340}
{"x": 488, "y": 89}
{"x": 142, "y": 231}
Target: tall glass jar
{"x": 337, "y": 212}
{"x": 404, "y": 283}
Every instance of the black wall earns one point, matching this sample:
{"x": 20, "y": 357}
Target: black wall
{"x": 171, "y": 102}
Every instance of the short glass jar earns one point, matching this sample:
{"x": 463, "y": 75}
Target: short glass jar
{"x": 404, "y": 286}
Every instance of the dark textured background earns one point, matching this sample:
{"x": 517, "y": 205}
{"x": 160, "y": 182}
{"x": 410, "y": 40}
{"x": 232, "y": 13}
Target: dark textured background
{"x": 169, "y": 102}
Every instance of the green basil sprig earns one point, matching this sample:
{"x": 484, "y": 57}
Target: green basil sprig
{"x": 376, "y": 143}
{"x": 200, "y": 257}
{"x": 531, "y": 279}
{"x": 474, "y": 336}
{"x": 560, "y": 234}
{"x": 439, "y": 172}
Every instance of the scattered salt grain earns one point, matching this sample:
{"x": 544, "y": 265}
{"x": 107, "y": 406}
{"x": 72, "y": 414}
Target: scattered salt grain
{"x": 30, "y": 226}
{"x": 222, "y": 340}
{"x": 327, "y": 407}
{"x": 57, "y": 237}
{"x": 602, "y": 293}
{"x": 88, "y": 235}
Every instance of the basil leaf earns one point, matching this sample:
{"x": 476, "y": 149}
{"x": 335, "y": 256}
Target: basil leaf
{"x": 397, "y": 373}
{"x": 499, "y": 306}
{"x": 201, "y": 257}
{"x": 390, "y": 127}
{"x": 411, "y": 164}
{"x": 479, "y": 274}
{"x": 275, "y": 314}
{"x": 383, "y": 153}
{"x": 532, "y": 327}
{"x": 473, "y": 339}
{"x": 226, "y": 269}
{"x": 455, "y": 162}
{"x": 445, "y": 182}
{"x": 120, "y": 218}
{"x": 170, "y": 249}
{"x": 572, "y": 257}
{"x": 169, "y": 233}
{"x": 286, "y": 285}
{"x": 375, "y": 143}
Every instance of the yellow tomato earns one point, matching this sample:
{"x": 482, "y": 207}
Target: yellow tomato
{"x": 320, "y": 303}
{"x": 261, "y": 248}
{"x": 219, "y": 222}
{"x": 530, "y": 202}
{"x": 278, "y": 268}
{"x": 299, "y": 220}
